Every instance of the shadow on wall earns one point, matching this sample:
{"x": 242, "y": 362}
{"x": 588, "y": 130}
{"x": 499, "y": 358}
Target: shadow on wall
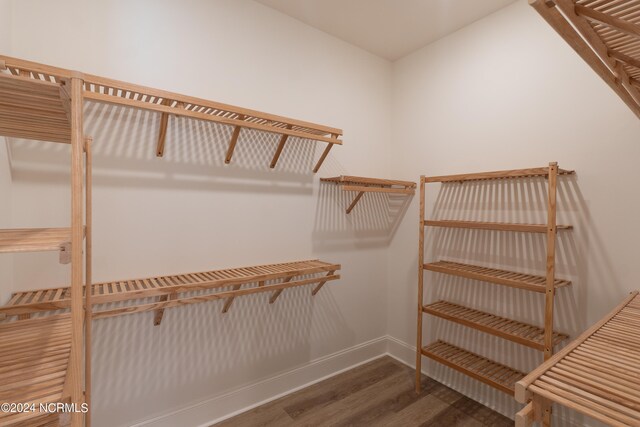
{"x": 519, "y": 201}
{"x": 125, "y": 155}
{"x": 372, "y": 222}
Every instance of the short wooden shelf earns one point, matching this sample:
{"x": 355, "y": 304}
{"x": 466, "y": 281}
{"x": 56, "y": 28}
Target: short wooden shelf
{"x": 597, "y": 374}
{"x": 37, "y": 240}
{"x": 506, "y": 174}
{"x": 512, "y": 330}
{"x": 493, "y": 275}
{"x": 171, "y": 291}
{"x": 370, "y": 185}
{"x": 34, "y": 356}
{"x": 489, "y": 372}
{"x": 499, "y": 226}
{"x": 34, "y": 109}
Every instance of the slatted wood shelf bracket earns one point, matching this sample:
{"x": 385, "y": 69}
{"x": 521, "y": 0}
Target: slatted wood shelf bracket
{"x": 605, "y": 34}
{"x": 370, "y": 185}
{"x": 43, "y": 83}
{"x": 37, "y": 240}
{"x": 492, "y": 275}
{"x": 597, "y": 374}
{"x": 173, "y": 291}
{"x": 482, "y": 369}
{"x": 34, "y": 357}
{"x": 512, "y": 330}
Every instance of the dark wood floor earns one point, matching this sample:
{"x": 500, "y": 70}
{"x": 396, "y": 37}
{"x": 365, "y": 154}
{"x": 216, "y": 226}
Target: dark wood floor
{"x": 379, "y": 393}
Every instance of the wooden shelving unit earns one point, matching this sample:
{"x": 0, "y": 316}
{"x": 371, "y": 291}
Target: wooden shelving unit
{"x": 363, "y": 185}
{"x": 489, "y": 372}
{"x": 173, "y": 291}
{"x": 597, "y": 374}
{"x": 604, "y": 33}
{"x": 32, "y": 110}
{"x": 34, "y": 357}
{"x": 543, "y": 339}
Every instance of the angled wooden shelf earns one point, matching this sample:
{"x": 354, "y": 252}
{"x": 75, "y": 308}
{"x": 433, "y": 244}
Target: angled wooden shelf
{"x": 605, "y": 34}
{"x": 482, "y": 369}
{"x": 597, "y": 374}
{"x": 109, "y": 91}
{"x": 370, "y": 185}
{"x": 506, "y": 174}
{"x": 34, "y": 109}
{"x": 492, "y": 275}
{"x": 498, "y": 226}
{"x": 512, "y": 330}
{"x": 171, "y": 291}
{"x": 34, "y": 356}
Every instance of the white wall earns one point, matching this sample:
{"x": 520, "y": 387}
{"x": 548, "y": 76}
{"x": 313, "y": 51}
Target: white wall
{"x": 190, "y": 212}
{"x": 504, "y": 93}
{"x": 6, "y": 260}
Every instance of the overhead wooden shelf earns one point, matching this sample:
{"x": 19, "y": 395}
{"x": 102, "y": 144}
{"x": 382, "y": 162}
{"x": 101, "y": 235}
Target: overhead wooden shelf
{"x": 489, "y": 372}
{"x": 506, "y": 174}
{"x": 605, "y": 34}
{"x": 34, "y": 109}
{"x": 493, "y": 275}
{"x": 598, "y": 374}
{"x": 37, "y": 240}
{"x": 172, "y": 290}
{"x": 499, "y": 226}
{"x": 109, "y": 91}
{"x": 512, "y": 330}
{"x": 34, "y": 356}
{"x": 370, "y": 185}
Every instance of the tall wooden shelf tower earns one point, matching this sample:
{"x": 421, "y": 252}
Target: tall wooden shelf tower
{"x": 544, "y": 339}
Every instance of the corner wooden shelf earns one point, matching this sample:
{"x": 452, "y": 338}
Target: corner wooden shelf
{"x": 506, "y": 174}
{"x": 494, "y": 374}
{"x": 512, "y": 330}
{"x": 598, "y": 374}
{"x": 370, "y": 185}
{"x": 34, "y": 109}
{"x": 172, "y": 291}
{"x": 605, "y": 35}
{"x": 498, "y": 226}
{"x": 493, "y": 275}
{"x": 543, "y": 339}
{"x": 32, "y": 85}
{"x": 34, "y": 356}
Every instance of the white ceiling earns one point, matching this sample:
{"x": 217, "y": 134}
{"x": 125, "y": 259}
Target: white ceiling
{"x": 390, "y": 29}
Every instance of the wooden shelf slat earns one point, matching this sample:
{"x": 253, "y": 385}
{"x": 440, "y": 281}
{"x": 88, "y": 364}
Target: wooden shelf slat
{"x": 34, "y": 239}
{"x": 493, "y": 275}
{"x": 370, "y": 185}
{"x": 480, "y": 368}
{"x": 512, "y": 330}
{"x": 34, "y": 357}
{"x": 299, "y": 273}
{"x": 499, "y": 226}
{"x": 505, "y": 174}
{"x": 597, "y": 374}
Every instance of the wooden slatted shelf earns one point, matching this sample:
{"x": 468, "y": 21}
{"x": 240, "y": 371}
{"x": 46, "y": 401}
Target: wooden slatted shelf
{"x": 493, "y": 275}
{"x": 489, "y": 372}
{"x": 171, "y": 290}
{"x": 34, "y": 356}
{"x": 114, "y": 92}
{"x": 598, "y": 374}
{"x": 522, "y": 333}
{"x": 506, "y": 174}
{"x": 605, "y": 34}
{"x": 34, "y": 109}
{"x": 370, "y": 185}
{"x": 499, "y": 226}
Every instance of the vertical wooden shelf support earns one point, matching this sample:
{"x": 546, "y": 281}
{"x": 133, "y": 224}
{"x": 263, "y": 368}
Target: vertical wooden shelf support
{"x": 420, "y": 287}
{"x": 88, "y": 143}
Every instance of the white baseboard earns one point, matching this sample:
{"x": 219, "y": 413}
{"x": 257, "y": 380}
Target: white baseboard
{"x": 218, "y": 408}
{"x": 227, "y": 405}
